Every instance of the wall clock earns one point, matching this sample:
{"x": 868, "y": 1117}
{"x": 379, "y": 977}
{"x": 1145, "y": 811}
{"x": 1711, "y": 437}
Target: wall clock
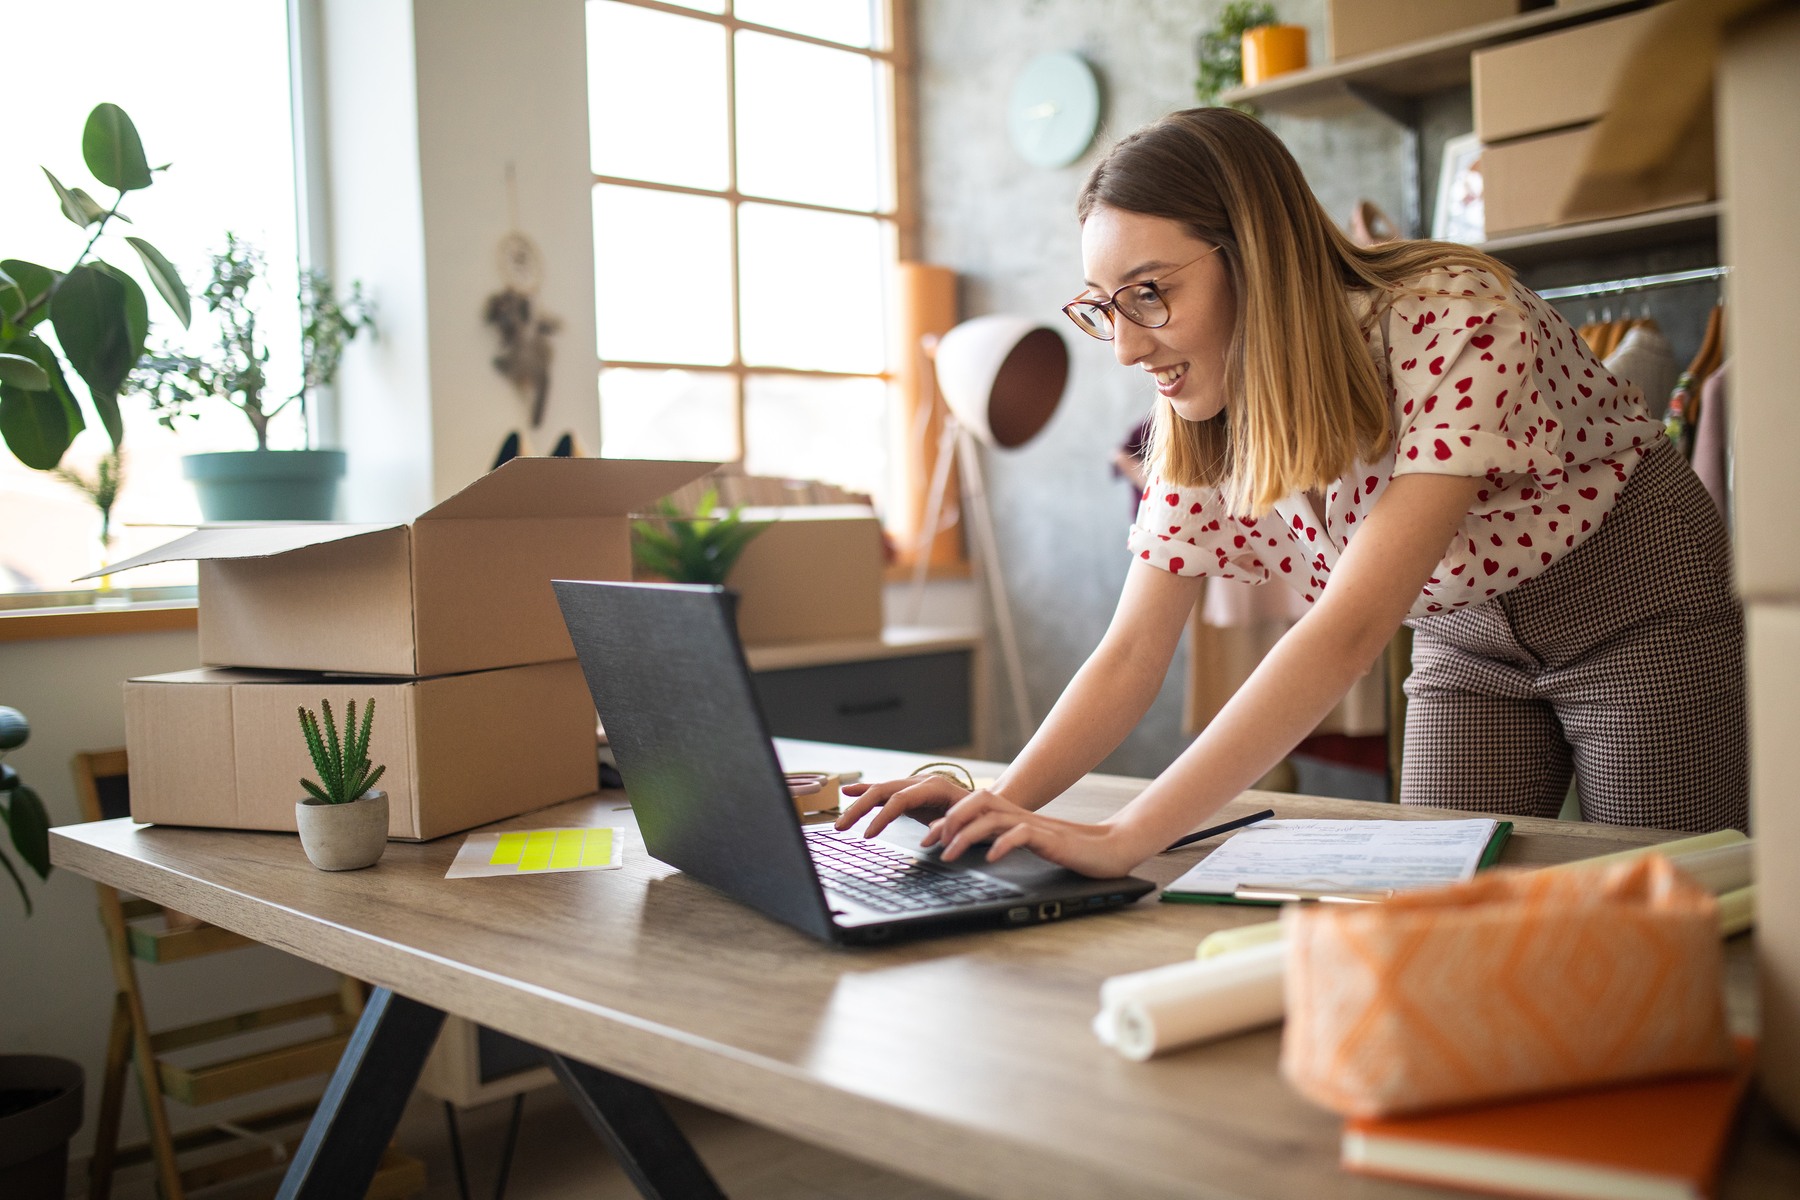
{"x": 1054, "y": 110}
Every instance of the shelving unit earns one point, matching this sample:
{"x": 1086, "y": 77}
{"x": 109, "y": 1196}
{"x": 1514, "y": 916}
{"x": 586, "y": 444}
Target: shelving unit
{"x": 1392, "y": 80}
{"x": 1640, "y": 231}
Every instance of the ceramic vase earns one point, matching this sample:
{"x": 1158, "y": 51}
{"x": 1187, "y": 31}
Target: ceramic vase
{"x": 343, "y": 837}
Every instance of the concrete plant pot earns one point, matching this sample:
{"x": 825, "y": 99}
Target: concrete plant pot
{"x": 266, "y": 485}
{"x": 343, "y": 837}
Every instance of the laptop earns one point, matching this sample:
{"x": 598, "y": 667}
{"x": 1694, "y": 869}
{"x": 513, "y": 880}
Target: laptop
{"x": 670, "y": 683}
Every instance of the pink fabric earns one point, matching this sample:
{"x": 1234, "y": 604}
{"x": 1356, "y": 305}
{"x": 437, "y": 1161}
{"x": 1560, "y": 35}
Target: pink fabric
{"x": 1483, "y": 383}
{"x": 1712, "y": 442}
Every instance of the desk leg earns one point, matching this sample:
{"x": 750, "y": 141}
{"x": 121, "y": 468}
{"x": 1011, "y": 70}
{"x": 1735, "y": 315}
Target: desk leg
{"x": 648, "y": 1145}
{"x": 356, "y": 1117}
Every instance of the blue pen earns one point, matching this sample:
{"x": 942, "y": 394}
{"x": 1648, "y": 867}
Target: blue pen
{"x": 1227, "y": 827}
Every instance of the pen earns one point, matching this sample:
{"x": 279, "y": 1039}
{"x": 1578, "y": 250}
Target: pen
{"x": 1295, "y": 895}
{"x": 1227, "y": 827}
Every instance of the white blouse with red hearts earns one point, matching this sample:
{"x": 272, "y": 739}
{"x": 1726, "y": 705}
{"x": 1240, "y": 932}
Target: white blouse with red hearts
{"x": 1483, "y": 382}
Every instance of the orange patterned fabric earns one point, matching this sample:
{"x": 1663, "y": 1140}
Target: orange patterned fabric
{"x": 1513, "y": 983}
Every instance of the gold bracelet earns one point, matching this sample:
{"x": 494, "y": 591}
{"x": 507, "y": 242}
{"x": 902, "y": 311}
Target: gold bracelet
{"x": 955, "y": 772}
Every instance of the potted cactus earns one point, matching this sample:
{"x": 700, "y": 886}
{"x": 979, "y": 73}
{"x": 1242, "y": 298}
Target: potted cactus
{"x": 343, "y": 820}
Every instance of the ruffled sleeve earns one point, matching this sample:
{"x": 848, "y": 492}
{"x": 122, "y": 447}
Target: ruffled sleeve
{"x": 1469, "y": 391}
{"x": 1187, "y": 531}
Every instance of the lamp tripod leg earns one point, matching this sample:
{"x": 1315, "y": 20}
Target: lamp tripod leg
{"x": 981, "y": 522}
{"x": 934, "y": 513}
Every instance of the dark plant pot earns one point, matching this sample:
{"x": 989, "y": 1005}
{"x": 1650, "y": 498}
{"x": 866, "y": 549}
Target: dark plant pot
{"x": 266, "y": 485}
{"x": 40, "y": 1110}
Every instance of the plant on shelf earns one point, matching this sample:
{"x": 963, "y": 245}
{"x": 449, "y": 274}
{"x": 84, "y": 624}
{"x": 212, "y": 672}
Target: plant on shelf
{"x": 343, "y": 821}
{"x": 98, "y": 312}
{"x": 691, "y": 549}
{"x": 27, "y": 823}
{"x": 234, "y": 372}
{"x": 1219, "y": 52}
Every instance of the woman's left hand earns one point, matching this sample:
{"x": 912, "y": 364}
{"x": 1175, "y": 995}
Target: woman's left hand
{"x": 1101, "y": 850}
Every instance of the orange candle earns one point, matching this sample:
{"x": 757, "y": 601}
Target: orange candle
{"x": 1271, "y": 50}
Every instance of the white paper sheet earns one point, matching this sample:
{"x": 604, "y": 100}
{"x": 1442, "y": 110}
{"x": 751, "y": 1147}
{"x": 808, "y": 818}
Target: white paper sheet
{"x": 1346, "y": 855}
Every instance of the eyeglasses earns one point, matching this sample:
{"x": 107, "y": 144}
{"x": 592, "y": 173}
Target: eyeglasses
{"x": 1140, "y": 303}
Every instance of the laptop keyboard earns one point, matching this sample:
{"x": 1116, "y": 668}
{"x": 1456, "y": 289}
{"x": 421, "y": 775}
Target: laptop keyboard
{"x": 891, "y": 880}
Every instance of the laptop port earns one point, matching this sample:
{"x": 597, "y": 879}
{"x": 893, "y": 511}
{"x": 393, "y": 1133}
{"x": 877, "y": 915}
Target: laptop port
{"x": 1094, "y": 902}
{"x": 1050, "y": 910}
{"x": 1018, "y": 916}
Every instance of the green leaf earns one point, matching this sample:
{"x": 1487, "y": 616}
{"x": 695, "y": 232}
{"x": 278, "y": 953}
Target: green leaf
{"x": 111, "y": 148}
{"x": 18, "y": 371}
{"x": 77, "y": 205}
{"x": 38, "y": 426}
{"x": 91, "y": 315}
{"x": 137, "y": 310}
{"x": 26, "y": 281}
{"x": 30, "y": 829}
{"x": 165, "y": 279}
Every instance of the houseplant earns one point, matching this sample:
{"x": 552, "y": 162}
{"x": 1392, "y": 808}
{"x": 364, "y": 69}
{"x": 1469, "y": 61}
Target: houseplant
{"x": 696, "y": 549}
{"x": 1219, "y": 53}
{"x": 97, "y": 311}
{"x": 40, "y": 1096}
{"x": 259, "y": 484}
{"x": 343, "y": 820}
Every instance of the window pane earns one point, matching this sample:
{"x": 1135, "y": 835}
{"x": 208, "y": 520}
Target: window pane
{"x": 656, "y": 96}
{"x": 830, "y": 429}
{"x": 662, "y": 271}
{"x": 808, "y": 126}
{"x": 668, "y": 414}
{"x": 813, "y": 288}
{"x": 852, "y": 22}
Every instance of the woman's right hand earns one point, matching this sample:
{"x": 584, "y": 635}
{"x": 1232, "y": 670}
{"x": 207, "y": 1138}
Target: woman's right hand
{"x": 926, "y": 797}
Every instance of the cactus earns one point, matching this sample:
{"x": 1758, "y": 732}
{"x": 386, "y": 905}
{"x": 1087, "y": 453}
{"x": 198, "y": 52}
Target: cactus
{"x": 342, "y": 764}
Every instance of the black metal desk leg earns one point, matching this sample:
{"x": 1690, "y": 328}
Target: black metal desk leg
{"x": 651, "y": 1149}
{"x": 356, "y": 1117}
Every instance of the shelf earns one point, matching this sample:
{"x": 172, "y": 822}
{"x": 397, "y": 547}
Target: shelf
{"x": 1689, "y": 223}
{"x": 1390, "y": 80}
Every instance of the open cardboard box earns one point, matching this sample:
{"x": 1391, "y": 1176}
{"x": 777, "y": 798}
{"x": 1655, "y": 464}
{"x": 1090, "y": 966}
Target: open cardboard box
{"x": 464, "y": 587}
{"x": 222, "y": 747}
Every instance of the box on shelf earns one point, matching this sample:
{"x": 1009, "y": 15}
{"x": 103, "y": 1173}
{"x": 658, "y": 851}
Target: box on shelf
{"x": 464, "y": 587}
{"x": 813, "y": 574}
{"x": 1525, "y": 181}
{"x": 1357, "y": 27}
{"x": 222, "y": 747}
{"x": 1555, "y": 81}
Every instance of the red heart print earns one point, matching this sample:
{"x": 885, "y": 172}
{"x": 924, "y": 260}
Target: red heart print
{"x": 1482, "y": 341}
{"x": 1587, "y": 494}
{"x": 1173, "y": 499}
{"x": 1437, "y": 365}
{"x": 1175, "y": 564}
{"x": 1489, "y": 565}
{"x": 1442, "y": 451}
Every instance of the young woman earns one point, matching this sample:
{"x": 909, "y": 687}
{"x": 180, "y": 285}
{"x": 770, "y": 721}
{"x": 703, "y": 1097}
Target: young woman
{"x": 1402, "y": 433}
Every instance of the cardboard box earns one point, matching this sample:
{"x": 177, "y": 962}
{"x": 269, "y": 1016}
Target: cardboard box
{"x": 1560, "y": 80}
{"x": 464, "y": 587}
{"x": 1525, "y": 181}
{"x": 813, "y": 574}
{"x": 1357, "y": 27}
{"x": 222, "y": 747}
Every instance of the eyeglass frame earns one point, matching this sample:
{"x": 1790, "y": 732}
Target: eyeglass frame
{"x": 1110, "y": 305}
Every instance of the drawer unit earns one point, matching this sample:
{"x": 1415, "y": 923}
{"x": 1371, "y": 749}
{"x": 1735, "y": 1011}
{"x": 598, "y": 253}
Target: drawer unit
{"x": 915, "y": 702}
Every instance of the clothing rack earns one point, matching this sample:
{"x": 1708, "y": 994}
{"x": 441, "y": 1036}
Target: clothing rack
{"x": 1640, "y": 283}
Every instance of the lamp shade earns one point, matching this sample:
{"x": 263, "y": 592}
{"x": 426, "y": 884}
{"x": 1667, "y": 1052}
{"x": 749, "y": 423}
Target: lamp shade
{"x": 1002, "y": 376}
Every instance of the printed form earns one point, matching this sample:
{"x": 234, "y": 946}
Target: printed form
{"x": 1346, "y": 855}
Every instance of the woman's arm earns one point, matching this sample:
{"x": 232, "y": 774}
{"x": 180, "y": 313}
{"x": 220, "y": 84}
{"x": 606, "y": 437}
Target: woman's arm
{"x": 1302, "y": 678}
{"x": 1106, "y": 699}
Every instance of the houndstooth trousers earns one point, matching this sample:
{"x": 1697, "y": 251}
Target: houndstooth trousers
{"x": 1622, "y": 664}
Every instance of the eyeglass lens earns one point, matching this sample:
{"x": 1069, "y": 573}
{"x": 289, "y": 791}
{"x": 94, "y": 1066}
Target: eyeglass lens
{"x": 1140, "y": 303}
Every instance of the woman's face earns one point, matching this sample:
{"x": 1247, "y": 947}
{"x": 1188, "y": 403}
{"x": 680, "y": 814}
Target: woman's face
{"x": 1186, "y": 357}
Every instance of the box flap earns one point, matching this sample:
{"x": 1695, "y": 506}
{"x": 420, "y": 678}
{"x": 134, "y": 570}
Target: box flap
{"x": 568, "y": 487}
{"x": 243, "y": 541}
{"x": 804, "y": 512}
{"x": 252, "y": 675}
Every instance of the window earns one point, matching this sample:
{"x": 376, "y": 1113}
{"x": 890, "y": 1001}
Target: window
{"x": 206, "y": 84}
{"x": 746, "y": 222}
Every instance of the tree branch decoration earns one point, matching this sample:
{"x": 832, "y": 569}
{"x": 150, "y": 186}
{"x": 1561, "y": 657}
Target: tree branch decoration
{"x": 343, "y": 765}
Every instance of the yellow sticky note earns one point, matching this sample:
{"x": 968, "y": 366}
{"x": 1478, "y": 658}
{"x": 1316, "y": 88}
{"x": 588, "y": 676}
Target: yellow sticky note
{"x": 596, "y": 851}
{"x": 538, "y": 847}
{"x": 508, "y": 849}
{"x": 568, "y": 849}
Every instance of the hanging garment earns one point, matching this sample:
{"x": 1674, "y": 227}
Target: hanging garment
{"x": 1712, "y": 349}
{"x": 1644, "y": 357}
{"x": 1712, "y": 443}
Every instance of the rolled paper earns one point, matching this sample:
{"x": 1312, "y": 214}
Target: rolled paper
{"x": 1692, "y": 845}
{"x": 1719, "y": 870}
{"x": 1151, "y": 1012}
{"x": 1242, "y": 937}
{"x": 1737, "y": 911}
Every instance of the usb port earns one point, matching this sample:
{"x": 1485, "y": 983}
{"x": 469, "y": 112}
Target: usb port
{"x": 1018, "y": 916}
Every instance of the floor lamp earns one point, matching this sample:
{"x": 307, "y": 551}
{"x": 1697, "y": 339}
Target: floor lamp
{"x": 1001, "y": 378}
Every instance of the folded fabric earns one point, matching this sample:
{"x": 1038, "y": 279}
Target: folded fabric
{"x": 1513, "y": 983}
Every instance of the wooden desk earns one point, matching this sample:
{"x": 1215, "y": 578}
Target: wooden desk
{"x": 965, "y": 1060}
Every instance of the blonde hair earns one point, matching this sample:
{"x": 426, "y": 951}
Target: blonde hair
{"x": 1303, "y": 398}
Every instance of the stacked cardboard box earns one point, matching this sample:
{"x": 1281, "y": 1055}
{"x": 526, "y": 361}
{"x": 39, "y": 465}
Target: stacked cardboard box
{"x": 448, "y": 622}
{"x": 1536, "y": 105}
